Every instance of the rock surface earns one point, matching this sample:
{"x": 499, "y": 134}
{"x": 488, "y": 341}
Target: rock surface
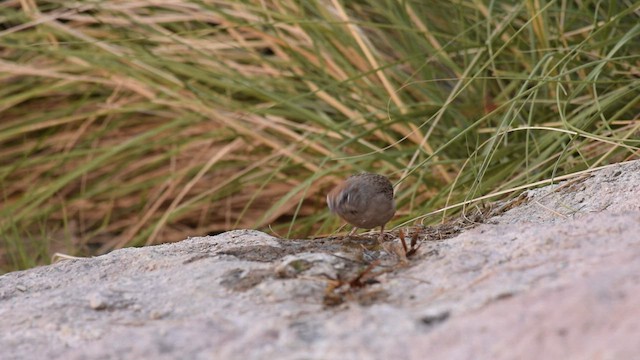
{"x": 556, "y": 275}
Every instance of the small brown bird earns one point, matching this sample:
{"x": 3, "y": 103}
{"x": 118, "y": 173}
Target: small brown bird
{"x": 364, "y": 201}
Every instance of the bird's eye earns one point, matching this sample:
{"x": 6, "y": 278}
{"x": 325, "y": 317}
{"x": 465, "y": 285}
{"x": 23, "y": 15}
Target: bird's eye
{"x": 344, "y": 197}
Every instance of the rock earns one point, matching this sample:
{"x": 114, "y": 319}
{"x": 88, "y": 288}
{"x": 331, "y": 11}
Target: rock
{"x": 556, "y": 275}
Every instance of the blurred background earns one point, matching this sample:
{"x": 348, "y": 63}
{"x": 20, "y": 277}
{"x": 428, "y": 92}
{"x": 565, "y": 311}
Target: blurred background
{"x": 129, "y": 123}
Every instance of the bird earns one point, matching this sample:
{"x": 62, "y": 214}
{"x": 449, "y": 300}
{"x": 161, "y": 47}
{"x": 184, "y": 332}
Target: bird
{"x": 363, "y": 200}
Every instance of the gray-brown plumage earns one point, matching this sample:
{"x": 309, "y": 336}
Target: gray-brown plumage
{"x": 364, "y": 201}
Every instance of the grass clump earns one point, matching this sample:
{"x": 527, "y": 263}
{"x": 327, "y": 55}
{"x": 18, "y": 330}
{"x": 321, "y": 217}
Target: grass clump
{"x": 133, "y": 123}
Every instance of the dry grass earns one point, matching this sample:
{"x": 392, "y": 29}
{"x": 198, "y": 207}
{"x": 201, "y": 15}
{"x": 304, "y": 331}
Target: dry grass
{"x": 139, "y": 122}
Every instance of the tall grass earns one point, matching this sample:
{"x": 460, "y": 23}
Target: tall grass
{"x": 126, "y": 123}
